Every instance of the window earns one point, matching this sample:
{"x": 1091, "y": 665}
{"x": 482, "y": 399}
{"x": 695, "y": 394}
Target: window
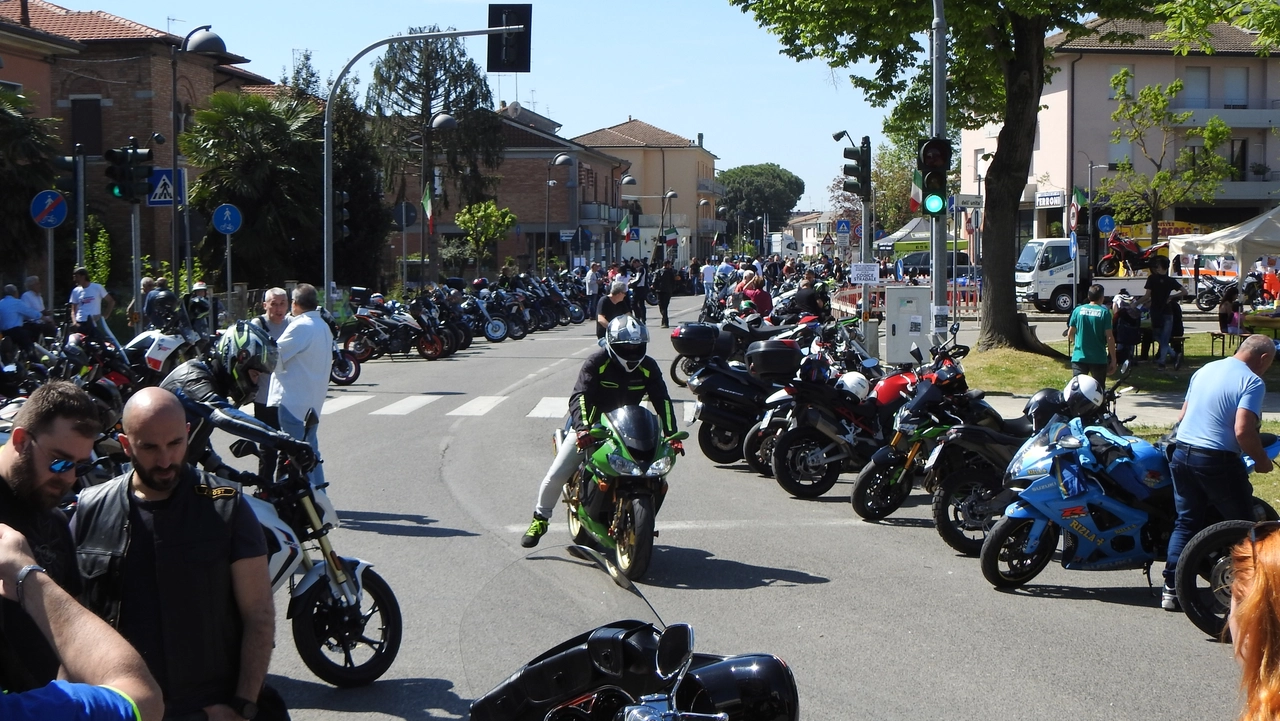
{"x": 1115, "y": 70}
{"x": 1235, "y": 88}
{"x": 1239, "y": 157}
{"x": 10, "y": 87}
{"x": 1054, "y": 256}
{"x": 978, "y": 164}
{"x": 86, "y": 124}
{"x": 1119, "y": 153}
{"x": 1195, "y": 88}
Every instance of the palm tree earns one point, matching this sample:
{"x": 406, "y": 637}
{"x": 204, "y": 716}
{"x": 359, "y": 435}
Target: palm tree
{"x": 27, "y": 147}
{"x": 263, "y": 156}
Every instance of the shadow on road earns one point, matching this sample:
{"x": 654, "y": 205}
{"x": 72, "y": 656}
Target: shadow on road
{"x": 693, "y": 568}
{"x": 1122, "y": 596}
{"x": 398, "y": 524}
{"x": 412, "y": 699}
{"x": 904, "y": 522}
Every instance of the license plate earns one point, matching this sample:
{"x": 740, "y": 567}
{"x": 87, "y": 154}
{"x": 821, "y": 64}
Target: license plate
{"x": 933, "y": 457}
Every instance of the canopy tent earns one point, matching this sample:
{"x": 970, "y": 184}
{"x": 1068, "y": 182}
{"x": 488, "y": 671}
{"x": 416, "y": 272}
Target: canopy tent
{"x": 1246, "y": 241}
{"x": 916, "y": 230}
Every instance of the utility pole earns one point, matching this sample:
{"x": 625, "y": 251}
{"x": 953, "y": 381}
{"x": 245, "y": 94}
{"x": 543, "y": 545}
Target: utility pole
{"x": 937, "y": 225}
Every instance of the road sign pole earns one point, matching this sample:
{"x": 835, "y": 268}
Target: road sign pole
{"x": 135, "y": 232}
{"x": 404, "y": 256}
{"x": 79, "y": 215}
{"x": 186, "y": 234}
{"x": 229, "y": 307}
{"x": 48, "y": 287}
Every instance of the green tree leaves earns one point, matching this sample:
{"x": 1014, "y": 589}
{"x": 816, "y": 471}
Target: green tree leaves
{"x": 484, "y": 223}
{"x": 27, "y": 146}
{"x": 753, "y": 190}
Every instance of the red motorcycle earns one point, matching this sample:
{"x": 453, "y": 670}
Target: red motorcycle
{"x": 1126, "y": 250}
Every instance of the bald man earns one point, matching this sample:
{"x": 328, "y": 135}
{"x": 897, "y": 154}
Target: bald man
{"x": 174, "y": 558}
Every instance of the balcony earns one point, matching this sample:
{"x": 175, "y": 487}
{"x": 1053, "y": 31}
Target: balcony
{"x": 653, "y": 220}
{"x": 1235, "y": 112}
{"x": 711, "y": 187}
{"x": 1250, "y": 189}
{"x": 593, "y": 211}
{"x": 709, "y": 225}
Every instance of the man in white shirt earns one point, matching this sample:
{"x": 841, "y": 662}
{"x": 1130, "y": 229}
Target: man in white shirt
{"x": 708, "y": 279}
{"x": 302, "y": 374}
{"x": 592, "y": 281}
{"x": 274, "y": 319}
{"x": 90, "y": 303}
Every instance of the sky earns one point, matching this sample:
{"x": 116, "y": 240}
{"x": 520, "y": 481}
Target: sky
{"x": 689, "y": 67}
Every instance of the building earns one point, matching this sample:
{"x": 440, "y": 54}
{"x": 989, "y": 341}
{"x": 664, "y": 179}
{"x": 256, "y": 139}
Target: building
{"x": 27, "y": 57}
{"x": 1073, "y": 145}
{"x": 119, "y": 85}
{"x": 661, "y": 162}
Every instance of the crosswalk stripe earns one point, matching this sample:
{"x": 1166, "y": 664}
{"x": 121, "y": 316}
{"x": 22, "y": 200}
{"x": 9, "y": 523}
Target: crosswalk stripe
{"x": 477, "y": 406}
{"x": 405, "y": 406}
{"x": 333, "y": 405}
{"x": 550, "y": 407}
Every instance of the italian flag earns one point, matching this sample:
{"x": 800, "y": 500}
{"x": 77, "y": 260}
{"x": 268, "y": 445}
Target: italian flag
{"x": 431, "y": 217}
{"x": 1078, "y": 201}
{"x": 917, "y": 191}
{"x": 624, "y": 227}
{"x": 672, "y": 235}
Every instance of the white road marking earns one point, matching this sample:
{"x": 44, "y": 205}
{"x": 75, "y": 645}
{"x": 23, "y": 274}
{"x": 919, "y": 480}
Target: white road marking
{"x": 405, "y": 406}
{"x": 477, "y": 406}
{"x": 550, "y": 407}
{"x": 333, "y": 405}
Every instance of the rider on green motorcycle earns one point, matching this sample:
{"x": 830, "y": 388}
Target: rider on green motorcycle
{"x": 619, "y": 374}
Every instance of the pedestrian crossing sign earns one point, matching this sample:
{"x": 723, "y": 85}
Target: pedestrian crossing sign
{"x": 163, "y": 188}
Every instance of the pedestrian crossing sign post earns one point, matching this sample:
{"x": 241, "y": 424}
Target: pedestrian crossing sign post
{"x": 164, "y": 187}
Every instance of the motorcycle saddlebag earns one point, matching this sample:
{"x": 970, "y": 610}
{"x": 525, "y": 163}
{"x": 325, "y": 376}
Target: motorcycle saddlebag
{"x": 696, "y": 340}
{"x": 358, "y": 295}
{"x": 774, "y": 360}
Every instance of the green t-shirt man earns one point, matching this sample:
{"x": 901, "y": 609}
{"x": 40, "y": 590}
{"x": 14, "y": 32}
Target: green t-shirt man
{"x": 1090, "y": 333}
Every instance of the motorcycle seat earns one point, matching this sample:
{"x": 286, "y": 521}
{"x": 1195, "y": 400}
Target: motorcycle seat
{"x": 1020, "y": 426}
{"x": 991, "y": 436}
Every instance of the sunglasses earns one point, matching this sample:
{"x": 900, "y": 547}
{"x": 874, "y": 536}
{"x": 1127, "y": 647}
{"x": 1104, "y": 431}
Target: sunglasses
{"x": 59, "y": 465}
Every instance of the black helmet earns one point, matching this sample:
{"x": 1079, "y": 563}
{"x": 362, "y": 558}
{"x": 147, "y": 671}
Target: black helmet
{"x": 110, "y": 404}
{"x": 1042, "y": 406}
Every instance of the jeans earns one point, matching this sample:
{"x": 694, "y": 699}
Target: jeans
{"x": 1162, "y": 327}
{"x": 1097, "y": 370}
{"x": 267, "y": 460}
{"x": 664, "y": 301}
{"x": 561, "y": 470}
{"x": 1203, "y": 481}
{"x": 296, "y": 428}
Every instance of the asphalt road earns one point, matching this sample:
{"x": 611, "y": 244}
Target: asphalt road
{"x": 877, "y": 620}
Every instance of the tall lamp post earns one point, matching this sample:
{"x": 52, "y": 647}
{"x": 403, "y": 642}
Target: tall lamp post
{"x": 626, "y": 179}
{"x": 201, "y": 41}
{"x": 560, "y": 159}
{"x": 439, "y": 121}
{"x": 667, "y": 197}
{"x": 702, "y": 203}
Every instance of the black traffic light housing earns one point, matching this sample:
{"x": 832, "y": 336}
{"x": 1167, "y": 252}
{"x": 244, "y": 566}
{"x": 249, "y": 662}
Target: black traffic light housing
{"x": 509, "y": 52}
{"x": 934, "y": 164}
{"x": 858, "y": 173}
{"x": 131, "y": 180}
{"x": 341, "y": 214}
{"x": 67, "y": 182}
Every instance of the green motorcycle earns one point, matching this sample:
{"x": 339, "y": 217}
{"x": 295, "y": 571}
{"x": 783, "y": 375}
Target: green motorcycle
{"x": 618, "y": 489}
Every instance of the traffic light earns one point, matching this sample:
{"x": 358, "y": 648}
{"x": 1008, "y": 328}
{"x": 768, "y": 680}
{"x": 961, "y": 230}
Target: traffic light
{"x": 934, "y": 164}
{"x": 131, "y": 181}
{"x": 509, "y": 52}
{"x": 141, "y": 175}
{"x": 66, "y": 180}
{"x": 859, "y": 171}
{"x": 340, "y": 214}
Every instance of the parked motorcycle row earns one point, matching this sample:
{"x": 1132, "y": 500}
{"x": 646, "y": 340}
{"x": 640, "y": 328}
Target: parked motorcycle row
{"x": 1064, "y": 477}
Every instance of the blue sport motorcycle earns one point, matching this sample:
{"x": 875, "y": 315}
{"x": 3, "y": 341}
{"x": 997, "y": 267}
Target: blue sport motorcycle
{"x": 1109, "y": 496}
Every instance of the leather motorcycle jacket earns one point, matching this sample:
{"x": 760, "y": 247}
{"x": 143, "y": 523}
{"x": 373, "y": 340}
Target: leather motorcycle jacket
{"x": 604, "y": 385}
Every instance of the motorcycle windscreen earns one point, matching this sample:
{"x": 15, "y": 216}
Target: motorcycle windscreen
{"x": 638, "y": 428}
{"x": 537, "y": 602}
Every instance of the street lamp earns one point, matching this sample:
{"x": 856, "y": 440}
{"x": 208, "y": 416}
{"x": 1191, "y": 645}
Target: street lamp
{"x": 667, "y": 197}
{"x": 201, "y": 41}
{"x": 560, "y": 159}
{"x": 439, "y": 121}
{"x": 702, "y": 203}
{"x": 626, "y": 179}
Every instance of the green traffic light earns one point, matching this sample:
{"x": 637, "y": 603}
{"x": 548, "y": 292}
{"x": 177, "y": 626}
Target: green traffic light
{"x": 934, "y": 203}
{"x": 117, "y": 191}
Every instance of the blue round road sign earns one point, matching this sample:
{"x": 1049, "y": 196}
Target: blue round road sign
{"x": 1074, "y": 245}
{"x": 226, "y": 219}
{"x": 1106, "y": 224}
{"x": 48, "y": 209}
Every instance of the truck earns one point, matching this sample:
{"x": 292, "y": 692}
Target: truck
{"x": 783, "y": 245}
{"x": 920, "y": 263}
{"x": 1045, "y": 272}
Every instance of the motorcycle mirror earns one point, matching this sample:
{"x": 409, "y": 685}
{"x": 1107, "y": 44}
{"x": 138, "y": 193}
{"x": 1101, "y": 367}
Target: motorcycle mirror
{"x": 675, "y": 649}
{"x": 1070, "y": 442}
{"x": 1125, "y": 369}
{"x": 870, "y": 363}
{"x": 915, "y": 353}
{"x": 955, "y": 328}
{"x": 599, "y": 432}
{"x": 243, "y": 448}
{"x": 679, "y": 436}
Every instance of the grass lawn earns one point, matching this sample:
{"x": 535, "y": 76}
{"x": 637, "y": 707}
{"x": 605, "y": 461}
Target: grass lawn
{"x": 1010, "y": 371}
{"x": 1265, "y": 486}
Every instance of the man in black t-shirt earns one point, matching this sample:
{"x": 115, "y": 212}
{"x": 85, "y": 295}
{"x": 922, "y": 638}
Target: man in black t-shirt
{"x": 1161, "y": 292}
{"x": 807, "y": 299}
{"x": 611, "y": 306}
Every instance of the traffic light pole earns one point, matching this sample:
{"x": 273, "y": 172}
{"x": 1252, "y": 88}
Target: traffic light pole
{"x": 79, "y": 215}
{"x": 937, "y": 224}
{"x": 135, "y": 232}
{"x": 328, "y": 130}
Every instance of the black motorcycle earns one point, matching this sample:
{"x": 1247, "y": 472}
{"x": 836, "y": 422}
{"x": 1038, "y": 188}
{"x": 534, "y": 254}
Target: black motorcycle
{"x": 581, "y": 643}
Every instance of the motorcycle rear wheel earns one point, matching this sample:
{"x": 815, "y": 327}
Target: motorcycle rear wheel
{"x": 576, "y": 314}
{"x": 951, "y": 503}
{"x": 792, "y": 469}
{"x": 360, "y": 346}
{"x": 1207, "y": 300}
{"x": 465, "y": 335}
{"x": 683, "y": 367}
{"x": 562, "y": 316}
{"x": 516, "y": 328}
{"x": 449, "y": 342}
{"x": 634, "y": 547}
{"x": 345, "y": 369}
{"x": 327, "y": 635}
{"x": 719, "y": 445}
{"x": 1108, "y": 267}
{"x": 757, "y": 450}
{"x": 1004, "y": 546}
{"x": 878, "y": 491}
{"x": 430, "y": 346}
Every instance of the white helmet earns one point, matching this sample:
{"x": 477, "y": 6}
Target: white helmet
{"x": 627, "y": 339}
{"x": 1083, "y": 396}
{"x": 855, "y": 383}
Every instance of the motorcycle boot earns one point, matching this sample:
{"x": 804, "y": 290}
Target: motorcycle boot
{"x": 536, "y": 530}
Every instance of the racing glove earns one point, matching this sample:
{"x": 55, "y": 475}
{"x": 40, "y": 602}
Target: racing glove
{"x": 300, "y": 452}
{"x": 584, "y": 439}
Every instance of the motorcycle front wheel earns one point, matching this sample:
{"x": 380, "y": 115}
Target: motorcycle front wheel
{"x": 430, "y": 346}
{"x": 1207, "y": 300}
{"x": 516, "y": 328}
{"x": 794, "y": 466}
{"x": 495, "y": 331}
{"x": 360, "y": 346}
{"x": 345, "y": 369}
{"x": 635, "y": 542}
{"x": 683, "y": 367}
{"x": 1108, "y": 267}
{"x": 344, "y": 646}
{"x": 954, "y": 503}
{"x": 879, "y": 490}
{"x": 757, "y": 450}
{"x": 576, "y": 314}
{"x": 719, "y": 445}
{"x": 1004, "y": 562}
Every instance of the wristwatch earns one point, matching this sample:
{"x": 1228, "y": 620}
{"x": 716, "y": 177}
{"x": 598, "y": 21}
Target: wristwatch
{"x": 243, "y": 706}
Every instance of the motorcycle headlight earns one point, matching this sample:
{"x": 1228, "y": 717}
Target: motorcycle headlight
{"x": 695, "y": 381}
{"x": 661, "y": 466}
{"x": 623, "y": 466}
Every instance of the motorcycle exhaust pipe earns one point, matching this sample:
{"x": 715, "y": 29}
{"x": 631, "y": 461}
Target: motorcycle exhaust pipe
{"x": 825, "y": 426}
{"x": 722, "y": 417}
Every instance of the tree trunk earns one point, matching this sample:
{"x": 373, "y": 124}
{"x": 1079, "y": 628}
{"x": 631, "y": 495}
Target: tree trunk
{"x": 1006, "y": 179}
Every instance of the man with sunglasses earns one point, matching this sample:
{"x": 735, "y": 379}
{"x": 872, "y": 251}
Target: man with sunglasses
{"x": 1219, "y": 423}
{"x": 52, "y": 437}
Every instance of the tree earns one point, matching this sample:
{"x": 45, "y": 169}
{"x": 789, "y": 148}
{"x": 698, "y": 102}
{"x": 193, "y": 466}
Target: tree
{"x": 752, "y": 191}
{"x": 27, "y": 147}
{"x": 484, "y": 223}
{"x": 1163, "y": 180}
{"x": 357, "y": 162}
{"x": 412, "y": 83}
{"x": 97, "y": 250}
{"x": 891, "y": 170}
{"x": 263, "y": 156}
{"x": 1188, "y": 22}
{"x": 996, "y": 71}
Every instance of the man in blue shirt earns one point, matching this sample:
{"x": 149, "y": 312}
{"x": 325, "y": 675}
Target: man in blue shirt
{"x": 1219, "y": 422}
{"x": 1093, "y": 345}
{"x": 13, "y": 311}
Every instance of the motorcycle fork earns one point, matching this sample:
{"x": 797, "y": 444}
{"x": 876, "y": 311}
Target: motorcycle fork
{"x": 337, "y": 573}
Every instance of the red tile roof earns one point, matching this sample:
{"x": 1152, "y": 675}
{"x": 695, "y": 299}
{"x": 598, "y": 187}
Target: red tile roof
{"x": 1223, "y": 38}
{"x": 271, "y": 92}
{"x": 632, "y": 134}
{"x": 81, "y": 25}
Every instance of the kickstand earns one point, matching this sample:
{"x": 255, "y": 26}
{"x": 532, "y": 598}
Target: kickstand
{"x": 1146, "y": 571}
